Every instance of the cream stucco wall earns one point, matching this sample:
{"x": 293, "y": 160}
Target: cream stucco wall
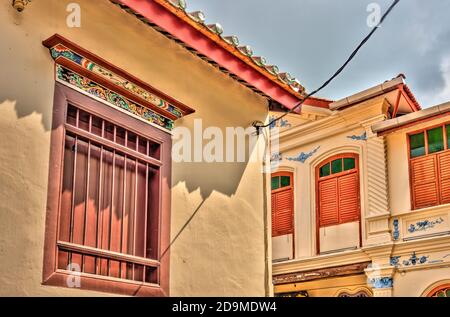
{"x": 222, "y": 250}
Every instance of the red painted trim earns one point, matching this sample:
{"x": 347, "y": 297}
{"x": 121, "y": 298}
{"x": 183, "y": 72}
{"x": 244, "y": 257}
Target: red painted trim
{"x": 193, "y": 37}
{"x": 437, "y": 289}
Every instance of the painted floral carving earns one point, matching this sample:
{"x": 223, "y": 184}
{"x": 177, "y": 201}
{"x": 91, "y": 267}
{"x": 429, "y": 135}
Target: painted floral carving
{"x": 424, "y": 225}
{"x": 111, "y": 97}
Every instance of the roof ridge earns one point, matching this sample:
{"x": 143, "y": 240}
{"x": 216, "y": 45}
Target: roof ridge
{"x": 245, "y": 52}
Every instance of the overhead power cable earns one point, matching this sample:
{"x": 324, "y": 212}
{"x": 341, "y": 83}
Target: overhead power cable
{"x": 258, "y": 126}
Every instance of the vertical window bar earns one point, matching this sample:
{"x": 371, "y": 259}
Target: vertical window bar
{"x": 122, "y": 223}
{"x": 99, "y": 213}
{"x": 146, "y": 211}
{"x": 135, "y": 206}
{"x": 72, "y": 209}
{"x": 112, "y": 198}
{"x": 86, "y": 199}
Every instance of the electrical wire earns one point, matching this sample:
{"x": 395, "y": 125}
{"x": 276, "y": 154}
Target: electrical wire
{"x": 326, "y": 83}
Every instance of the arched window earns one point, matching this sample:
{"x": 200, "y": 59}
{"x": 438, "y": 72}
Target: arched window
{"x": 338, "y": 203}
{"x": 337, "y": 191}
{"x": 441, "y": 291}
{"x": 282, "y": 204}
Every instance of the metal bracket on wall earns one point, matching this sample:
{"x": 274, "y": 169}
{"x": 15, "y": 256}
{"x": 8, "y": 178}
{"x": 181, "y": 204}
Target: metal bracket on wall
{"x": 19, "y": 5}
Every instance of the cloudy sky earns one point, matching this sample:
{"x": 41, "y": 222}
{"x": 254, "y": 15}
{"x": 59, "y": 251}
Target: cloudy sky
{"x": 312, "y": 38}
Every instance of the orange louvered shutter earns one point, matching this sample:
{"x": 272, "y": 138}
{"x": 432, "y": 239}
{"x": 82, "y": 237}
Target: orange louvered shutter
{"x": 424, "y": 182}
{"x": 444, "y": 176}
{"x": 338, "y": 191}
{"x": 328, "y": 202}
{"x": 282, "y": 204}
{"x": 348, "y": 198}
{"x": 284, "y": 219}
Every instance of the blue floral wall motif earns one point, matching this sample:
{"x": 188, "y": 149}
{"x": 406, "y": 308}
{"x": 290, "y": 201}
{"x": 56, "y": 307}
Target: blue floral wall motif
{"x": 424, "y": 225}
{"x": 413, "y": 260}
{"x": 396, "y": 233}
{"x": 381, "y": 282}
{"x": 303, "y": 157}
{"x": 276, "y": 157}
{"x": 362, "y": 137}
{"x": 282, "y": 123}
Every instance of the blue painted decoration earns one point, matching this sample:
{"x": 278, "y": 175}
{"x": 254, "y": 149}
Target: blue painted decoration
{"x": 424, "y": 225}
{"x": 303, "y": 157}
{"x": 276, "y": 157}
{"x": 282, "y": 123}
{"x": 381, "y": 282}
{"x": 362, "y": 137}
{"x": 395, "y": 261}
{"x": 396, "y": 233}
{"x": 414, "y": 260}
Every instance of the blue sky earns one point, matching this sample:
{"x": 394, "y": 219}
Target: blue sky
{"x": 312, "y": 38}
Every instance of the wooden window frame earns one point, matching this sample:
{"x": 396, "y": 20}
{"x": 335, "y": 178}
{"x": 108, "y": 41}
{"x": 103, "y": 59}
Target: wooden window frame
{"x": 56, "y": 277}
{"x": 343, "y": 173}
{"x": 427, "y": 154}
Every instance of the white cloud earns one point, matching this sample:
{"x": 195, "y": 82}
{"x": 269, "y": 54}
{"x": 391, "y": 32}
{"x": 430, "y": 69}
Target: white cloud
{"x": 444, "y": 94}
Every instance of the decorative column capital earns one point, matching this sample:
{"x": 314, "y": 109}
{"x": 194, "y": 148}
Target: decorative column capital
{"x": 380, "y": 279}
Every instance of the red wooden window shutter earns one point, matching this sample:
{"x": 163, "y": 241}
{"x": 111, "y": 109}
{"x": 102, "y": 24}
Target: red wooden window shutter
{"x": 328, "y": 201}
{"x": 348, "y": 198}
{"x": 338, "y": 191}
{"x": 429, "y": 160}
{"x": 424, "y": 182}
{"x": 444, "y": 176}
{"x": 282, "y": 206}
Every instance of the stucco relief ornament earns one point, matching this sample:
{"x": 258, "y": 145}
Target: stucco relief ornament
{"x": 303, "y": 157}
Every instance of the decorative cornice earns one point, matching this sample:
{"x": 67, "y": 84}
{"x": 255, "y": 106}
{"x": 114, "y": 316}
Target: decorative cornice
{"x": 91, "y": 70}
{"x": 321, "y": 273}
{"x": 320, "y": 262}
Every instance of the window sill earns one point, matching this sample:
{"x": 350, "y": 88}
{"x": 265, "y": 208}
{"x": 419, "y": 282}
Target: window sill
{"x": 422, "y": 210}
{"x": 104, "y": 284}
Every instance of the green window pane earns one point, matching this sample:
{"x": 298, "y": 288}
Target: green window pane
{"x": 325, "y": 170}
{"x": 275, "y": 183}
{"x": 435, "y": 140}
{"x": 448, "y": 136}
{"x": 417, "y": 143}
{"x": 349, "y": 164}
{"x": 336, "y": 166}
{"x": 285, "y": 181}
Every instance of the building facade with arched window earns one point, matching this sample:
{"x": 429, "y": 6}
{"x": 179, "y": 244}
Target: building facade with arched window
{"x": 370, "y": 177}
